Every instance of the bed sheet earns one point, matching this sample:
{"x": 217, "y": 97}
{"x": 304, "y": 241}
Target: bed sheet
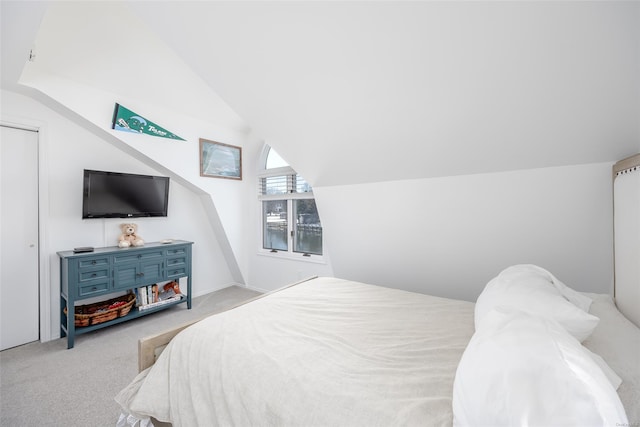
{"x": 323, "y": 352}
{"x": 617, "y": 341}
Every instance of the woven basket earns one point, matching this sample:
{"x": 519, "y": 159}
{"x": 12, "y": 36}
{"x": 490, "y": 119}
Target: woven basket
{"x": 99, "y": 312}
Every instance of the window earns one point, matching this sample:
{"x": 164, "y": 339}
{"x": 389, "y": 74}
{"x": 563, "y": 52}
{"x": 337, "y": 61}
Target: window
{"x": 290, "y": 220}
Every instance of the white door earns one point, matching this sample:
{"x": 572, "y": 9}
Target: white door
{"x": 19, "y": 286}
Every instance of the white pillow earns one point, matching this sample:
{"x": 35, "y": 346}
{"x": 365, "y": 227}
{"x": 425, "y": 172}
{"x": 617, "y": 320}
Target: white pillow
{"x": 581, "y": 301}
{"x": 532, "y": 293}
{"x": 524, "y": 370}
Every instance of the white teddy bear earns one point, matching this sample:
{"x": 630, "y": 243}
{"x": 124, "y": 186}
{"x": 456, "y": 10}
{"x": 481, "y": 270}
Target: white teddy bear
{"x": 129, "y": 236}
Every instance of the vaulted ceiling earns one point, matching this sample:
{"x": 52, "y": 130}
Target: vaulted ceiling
{"x": 354, "y": 92}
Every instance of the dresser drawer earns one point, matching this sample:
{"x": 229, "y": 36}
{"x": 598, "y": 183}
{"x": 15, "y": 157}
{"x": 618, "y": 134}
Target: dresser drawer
{"x": 177, "y": 251}
{"x": 132, "y": 257}
{"x": 176, "y": 261}
{"x": 93, "y": 262}
{"x": 93, "y": 288}
{"x": 173, "y": 273}
{"x": 86, "y": 275}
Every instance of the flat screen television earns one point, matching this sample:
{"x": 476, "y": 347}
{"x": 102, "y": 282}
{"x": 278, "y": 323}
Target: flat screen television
{"x": 123, "y": 195}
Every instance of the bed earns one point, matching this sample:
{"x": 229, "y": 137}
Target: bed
{"x": 328, "y": 351}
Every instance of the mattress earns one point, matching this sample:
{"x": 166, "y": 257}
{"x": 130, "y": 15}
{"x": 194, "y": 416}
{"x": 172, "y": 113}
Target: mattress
{"x": 337, "y": 352}
{"x": 324, "y": 352}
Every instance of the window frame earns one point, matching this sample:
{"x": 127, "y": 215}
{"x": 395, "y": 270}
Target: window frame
{"x": 289, "y": 197}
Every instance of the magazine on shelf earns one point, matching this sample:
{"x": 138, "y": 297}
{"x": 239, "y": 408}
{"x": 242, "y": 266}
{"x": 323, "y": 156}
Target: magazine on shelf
{"x": 174, "y": 298}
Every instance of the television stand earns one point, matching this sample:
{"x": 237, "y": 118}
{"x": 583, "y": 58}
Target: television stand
{"x": 108, "y": 270}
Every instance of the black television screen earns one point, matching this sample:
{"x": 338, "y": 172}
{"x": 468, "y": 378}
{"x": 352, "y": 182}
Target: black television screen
{"x": 123, "y": 195}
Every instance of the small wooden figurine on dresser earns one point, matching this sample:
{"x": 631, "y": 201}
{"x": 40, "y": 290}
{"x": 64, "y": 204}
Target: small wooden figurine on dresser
{"x": 129, "y": 236}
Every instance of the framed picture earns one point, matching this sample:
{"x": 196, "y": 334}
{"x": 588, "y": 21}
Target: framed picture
{"x": 218, "y": 160}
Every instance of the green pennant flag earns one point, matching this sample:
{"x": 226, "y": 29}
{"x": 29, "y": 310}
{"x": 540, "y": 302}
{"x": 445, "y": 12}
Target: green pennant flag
{"x": 128, "y": 121}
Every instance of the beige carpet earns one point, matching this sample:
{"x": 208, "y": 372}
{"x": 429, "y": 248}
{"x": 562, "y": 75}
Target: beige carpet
{"x": 44, "y": 384}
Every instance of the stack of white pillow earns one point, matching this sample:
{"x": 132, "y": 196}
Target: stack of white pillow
{"x": 525, "y": 364}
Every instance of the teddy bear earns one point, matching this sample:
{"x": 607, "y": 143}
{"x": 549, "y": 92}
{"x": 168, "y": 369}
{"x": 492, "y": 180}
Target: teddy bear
{"x": 175, "y": 286}
{"x": 129, "y": 236}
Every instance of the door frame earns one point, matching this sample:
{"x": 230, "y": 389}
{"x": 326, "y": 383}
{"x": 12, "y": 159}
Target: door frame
{"x": 44, "y": 271}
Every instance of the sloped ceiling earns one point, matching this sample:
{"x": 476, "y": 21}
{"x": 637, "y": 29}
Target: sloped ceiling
{"x": 19, "y": 23}
{"x": 355, "y": 92}
{"x": 104, "y": 46}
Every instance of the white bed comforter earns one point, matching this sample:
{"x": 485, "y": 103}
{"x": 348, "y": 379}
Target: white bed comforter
{"x": 323, "y": 352}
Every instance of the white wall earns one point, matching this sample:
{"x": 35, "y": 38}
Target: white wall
{"x": 150, "y": 80}
{"x": 68, "y": 149}
{"x": 181, "y": 158}
{"x": 449, "y": 236}
{"x": 423, "y": 228}
{"x": 233, "y": 204}
{"x": 443, "y": 236}
{"x": 268, "y": 273}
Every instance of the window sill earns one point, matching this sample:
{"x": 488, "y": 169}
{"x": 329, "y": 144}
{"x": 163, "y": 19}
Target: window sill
{"x": 316, "y": 259}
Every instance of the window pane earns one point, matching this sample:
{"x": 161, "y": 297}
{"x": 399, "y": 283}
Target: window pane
{"x": 274, "y": 160}
{"x": 302, "y": 186}
{"x": 275, "y": 185}
{"x": 274, "y": 214}
{"x": 308, "y": 231}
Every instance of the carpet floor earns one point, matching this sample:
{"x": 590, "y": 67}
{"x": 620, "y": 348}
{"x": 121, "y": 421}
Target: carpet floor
{"x": 44, "y": 384}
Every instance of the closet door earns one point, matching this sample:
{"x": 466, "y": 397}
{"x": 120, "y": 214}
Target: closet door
{"x": 19, "y": 275}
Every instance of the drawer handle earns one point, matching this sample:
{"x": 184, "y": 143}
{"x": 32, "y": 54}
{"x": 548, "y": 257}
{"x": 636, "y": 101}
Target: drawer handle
{"x": 176, "y": 272}
{"x": 94, "y": 275}
{"x": 94, "y": 262}
{"x": 94, "y": 288}
{"x": 140, "y": 274}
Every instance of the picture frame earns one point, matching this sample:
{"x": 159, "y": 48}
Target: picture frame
{"x": 218, "y": 160}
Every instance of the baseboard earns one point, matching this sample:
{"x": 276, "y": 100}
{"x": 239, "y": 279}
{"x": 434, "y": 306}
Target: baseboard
{"x": 253, "y": 288}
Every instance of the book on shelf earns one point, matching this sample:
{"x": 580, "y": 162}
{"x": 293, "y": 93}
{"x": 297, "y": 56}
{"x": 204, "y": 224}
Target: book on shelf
{"x": 143, "y": 295}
